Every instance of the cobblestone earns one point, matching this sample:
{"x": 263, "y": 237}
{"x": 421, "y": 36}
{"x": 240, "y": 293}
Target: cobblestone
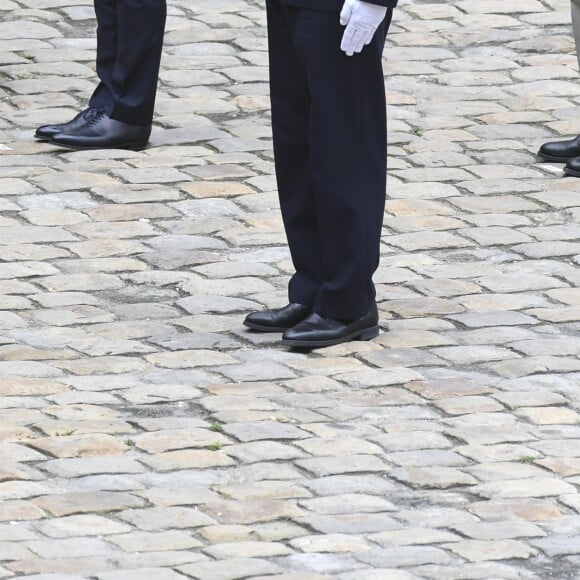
{"x": 145, "y": 433}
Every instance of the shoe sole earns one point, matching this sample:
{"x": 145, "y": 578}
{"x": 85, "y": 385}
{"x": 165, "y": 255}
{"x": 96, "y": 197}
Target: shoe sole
{"x": 253, "y": 326}
{"x": 130, "y": 146}
{"x": 541, "y": 157}
{"x": 366, "y": 334}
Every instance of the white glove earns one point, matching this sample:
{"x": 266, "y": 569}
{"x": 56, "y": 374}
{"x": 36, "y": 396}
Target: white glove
{"x": 361, "y": 20}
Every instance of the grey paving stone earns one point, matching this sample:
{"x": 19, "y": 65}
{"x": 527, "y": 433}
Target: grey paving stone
{"x": 323, "y": 466}
{"x": 432, "y": 477}
{"x": 478, "y": 571}
{"x": 533, "y": 487}
{"x": 351, "y": 523}
{"x": 126, "y": 276}
{"x": 484, "y": 319}
{"x": 398, "y": 359}
{"x": 347, "y": 503}
{"x": 426, "y": 458}
{"x": 500, "y": 530}
{"x": 345, "y": 484}
{"x": 161, "y": 573}
{"x": 414, "y": 536}
{"x": 405, "y": 556}
{"x": 478, "y": 551}
{"x": 377, "y": 574}
{"x": 230, "y": 569}
{"x": 265, "y": 430}
{"x": 437, "y": 517}
{"x": 319, "y": 563}
{"x": 73, "y": 503}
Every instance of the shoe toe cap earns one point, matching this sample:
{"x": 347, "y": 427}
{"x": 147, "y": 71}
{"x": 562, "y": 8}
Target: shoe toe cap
{"x": 46, "y": 132}
{"x": 255, "y": 318}
{"x": 561, "y": 149}
{"x": 552, "y": 150}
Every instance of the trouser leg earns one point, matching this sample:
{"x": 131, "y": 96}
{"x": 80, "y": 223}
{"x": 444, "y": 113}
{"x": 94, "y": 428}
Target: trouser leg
{"x": 576, "y": 24}
{"x": 347, "y": 156}
{"x": 106, "y": 12}
{"x": 290, "y": 125}
{"x": 128, "y": 92}
{"x": 349, "y": 165}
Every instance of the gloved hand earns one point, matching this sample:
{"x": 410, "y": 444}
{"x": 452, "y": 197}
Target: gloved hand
{"x": 361, "y": 20}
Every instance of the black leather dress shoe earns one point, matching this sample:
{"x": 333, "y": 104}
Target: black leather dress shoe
{"x": 317, "y": 331}
{"x": 102, "y": 132}
{"x": 560, "y": 151}
{"x": 47, "y": 132}
{"x": 277, "y": 320}
{"x": 573, "y": 167}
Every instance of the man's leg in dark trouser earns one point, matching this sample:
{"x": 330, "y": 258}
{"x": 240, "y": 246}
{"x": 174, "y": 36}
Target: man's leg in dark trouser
{"x": 347, "y": 140}
{"x": 576, "y": 25}
{"x": 131, "y": 85}
{"x": 567, "y": 151}
{"x": 573, "y": 165}
{"x": 107, "y": 46}
{"x": 291, "y": 128}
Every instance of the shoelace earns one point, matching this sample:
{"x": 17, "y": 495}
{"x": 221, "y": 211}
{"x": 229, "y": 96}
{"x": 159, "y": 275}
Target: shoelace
{"x": 94, "y": 116}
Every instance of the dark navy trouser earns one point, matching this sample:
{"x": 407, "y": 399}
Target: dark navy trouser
{"x": 329, "y": 128}
{"x": 129, "y": 45}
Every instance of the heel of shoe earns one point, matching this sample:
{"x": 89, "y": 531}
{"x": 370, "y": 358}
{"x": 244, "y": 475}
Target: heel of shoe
{"x": 136, "y": 145}
{"x": 369, "y": 333}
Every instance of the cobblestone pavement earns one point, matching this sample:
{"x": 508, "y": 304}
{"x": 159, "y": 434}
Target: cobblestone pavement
{"x": 145, "y": 434}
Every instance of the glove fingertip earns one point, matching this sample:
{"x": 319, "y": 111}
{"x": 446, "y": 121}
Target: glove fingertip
{"x": 346, "y": 13}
